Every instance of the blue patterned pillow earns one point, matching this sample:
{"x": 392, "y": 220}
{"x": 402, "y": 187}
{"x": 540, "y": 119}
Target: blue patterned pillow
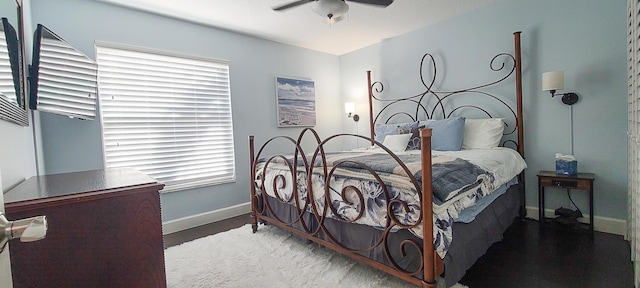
{"x": 414, "y": 141}
{"x": 382, "y": 130}
{"x": 447, "y": 134}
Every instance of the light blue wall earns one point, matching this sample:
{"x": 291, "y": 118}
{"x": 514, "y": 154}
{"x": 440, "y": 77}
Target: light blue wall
{"x": 17, "y": 161}
{"x": 585, "y": 38}
{"x": 74, "y": 145}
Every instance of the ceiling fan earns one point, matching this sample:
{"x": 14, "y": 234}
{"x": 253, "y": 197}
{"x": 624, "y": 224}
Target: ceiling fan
{"x": 331, "y": 8}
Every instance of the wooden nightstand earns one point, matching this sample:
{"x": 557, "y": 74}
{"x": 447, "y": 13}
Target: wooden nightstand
{"x": 582, "y": 181}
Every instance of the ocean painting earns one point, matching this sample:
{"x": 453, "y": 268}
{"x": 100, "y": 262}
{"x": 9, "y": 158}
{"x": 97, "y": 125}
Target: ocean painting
{"x": 296, "y": 102}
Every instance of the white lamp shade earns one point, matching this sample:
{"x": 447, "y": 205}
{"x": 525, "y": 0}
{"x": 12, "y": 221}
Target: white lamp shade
{"x": 330, "y": 8}
{"x": 553, "y": 80}
{"x": 349, "y": 107}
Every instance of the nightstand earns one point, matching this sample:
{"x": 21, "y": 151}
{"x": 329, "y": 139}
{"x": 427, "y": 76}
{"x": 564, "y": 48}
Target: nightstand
{"x": 582, "y": 181}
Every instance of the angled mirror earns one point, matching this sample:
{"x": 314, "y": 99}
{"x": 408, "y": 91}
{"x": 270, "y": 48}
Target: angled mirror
{"x": 62, "y": 79}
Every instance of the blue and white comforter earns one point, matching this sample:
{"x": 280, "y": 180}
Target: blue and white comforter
{"x": 457, "y": 184}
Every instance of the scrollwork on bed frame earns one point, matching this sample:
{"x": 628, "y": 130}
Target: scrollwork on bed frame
{"x": 304, "y": 206}
{"x": 431, "y": 102}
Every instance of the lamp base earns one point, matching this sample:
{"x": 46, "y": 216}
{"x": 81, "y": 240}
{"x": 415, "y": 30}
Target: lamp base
{"x": 569, "y": 98}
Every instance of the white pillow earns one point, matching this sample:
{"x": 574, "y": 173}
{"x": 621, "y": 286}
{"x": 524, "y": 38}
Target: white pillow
{"x": 482, "y": 133}
{"x": 397, "y": 143}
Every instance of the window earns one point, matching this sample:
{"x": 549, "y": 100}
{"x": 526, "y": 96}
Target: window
{"x": 166, "y": 115}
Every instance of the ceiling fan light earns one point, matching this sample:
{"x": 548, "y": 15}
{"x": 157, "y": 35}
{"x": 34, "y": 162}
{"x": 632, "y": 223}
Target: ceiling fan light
{"x": 330, "y": 8}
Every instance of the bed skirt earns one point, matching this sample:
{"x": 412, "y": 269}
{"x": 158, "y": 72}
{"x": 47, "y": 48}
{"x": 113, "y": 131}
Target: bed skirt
{"x": 471, "y": 240}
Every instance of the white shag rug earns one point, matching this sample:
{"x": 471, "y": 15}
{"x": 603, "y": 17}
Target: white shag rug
{"x": 269, "y": 258}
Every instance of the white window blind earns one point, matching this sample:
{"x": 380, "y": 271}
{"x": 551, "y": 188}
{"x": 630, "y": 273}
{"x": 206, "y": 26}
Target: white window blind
{"x": 168, "y": 116}
{"x": 66, "y": 79}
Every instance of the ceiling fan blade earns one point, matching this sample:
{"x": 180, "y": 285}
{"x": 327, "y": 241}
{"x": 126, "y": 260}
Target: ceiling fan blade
{"x": 384, "y": 3}
{"x": 291, "y": 5}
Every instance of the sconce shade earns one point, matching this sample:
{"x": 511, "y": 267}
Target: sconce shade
{"x": 552, "y": 81}
{"x": 349, "y": 107}
{"x": 330, "y": 8}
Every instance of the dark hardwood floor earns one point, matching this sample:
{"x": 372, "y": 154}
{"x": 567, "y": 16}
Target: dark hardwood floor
{"x": 205, "y": 230}
{"x": 530, "y": 255}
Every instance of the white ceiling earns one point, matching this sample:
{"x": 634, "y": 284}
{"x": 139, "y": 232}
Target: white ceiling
{"x": 300, "y": 26}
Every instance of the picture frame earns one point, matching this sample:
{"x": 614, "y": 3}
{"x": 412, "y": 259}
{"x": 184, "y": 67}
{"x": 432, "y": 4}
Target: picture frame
{"x": 295, "y": 101}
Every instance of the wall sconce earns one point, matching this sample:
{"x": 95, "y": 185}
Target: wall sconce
{"x": 552, "y": 81}
{"x": 350, "y": 109}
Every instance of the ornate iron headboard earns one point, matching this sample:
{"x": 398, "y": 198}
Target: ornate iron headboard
{"x": 429, "y": 102}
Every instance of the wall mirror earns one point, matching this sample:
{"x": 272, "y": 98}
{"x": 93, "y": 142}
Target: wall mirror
{"x": 62, "y": 80}
{"x": 12, "y": 72}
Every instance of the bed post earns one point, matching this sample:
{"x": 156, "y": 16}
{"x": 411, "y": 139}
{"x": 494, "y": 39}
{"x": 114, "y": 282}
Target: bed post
{"x": 520, "y": 118}
{"x": 370, "y": 89}
{"x": 254, "y": 220}
{"x": 428, "y": 254}
{"x": 519, "y": 93}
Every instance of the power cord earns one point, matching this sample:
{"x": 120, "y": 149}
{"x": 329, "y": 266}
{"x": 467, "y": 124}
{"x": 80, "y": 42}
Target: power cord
{"x": 579, "y": 213}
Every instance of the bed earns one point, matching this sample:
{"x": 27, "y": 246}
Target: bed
{"x": 421, "y": 201}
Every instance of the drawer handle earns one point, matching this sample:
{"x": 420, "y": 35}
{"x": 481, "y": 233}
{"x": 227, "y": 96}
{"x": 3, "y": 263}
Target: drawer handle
{"x": 564, "y": 183}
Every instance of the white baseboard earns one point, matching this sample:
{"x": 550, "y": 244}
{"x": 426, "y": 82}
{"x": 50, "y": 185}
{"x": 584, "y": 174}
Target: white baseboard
{"x": 601, "y": 224}
{"x": 189, "y": 222}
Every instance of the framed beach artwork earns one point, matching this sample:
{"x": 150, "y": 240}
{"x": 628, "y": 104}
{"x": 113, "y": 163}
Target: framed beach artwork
{"x": 296, "y": 102}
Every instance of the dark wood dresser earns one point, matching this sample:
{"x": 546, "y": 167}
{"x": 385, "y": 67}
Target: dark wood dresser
{"x": 104, "y": 230}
